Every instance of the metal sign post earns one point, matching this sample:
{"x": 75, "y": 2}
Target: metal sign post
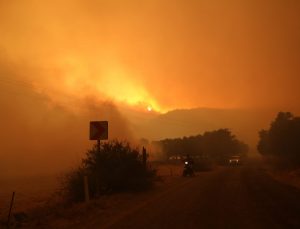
{"x": 98, "y": 145}
{"x": 98, "y": 131}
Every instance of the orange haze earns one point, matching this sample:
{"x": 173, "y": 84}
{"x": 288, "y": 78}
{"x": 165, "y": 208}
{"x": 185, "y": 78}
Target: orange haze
{"x": 63, "y": 63}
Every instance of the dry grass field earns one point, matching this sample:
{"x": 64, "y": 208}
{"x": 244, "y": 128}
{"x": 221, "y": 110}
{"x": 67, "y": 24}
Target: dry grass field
{"x": 34, "y": 195}
{"x": 35, "y": 192}
{"x": 30, "y": 192}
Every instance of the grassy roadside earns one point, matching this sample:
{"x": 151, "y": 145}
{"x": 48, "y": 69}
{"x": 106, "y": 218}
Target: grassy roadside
{"x": 50, "y": 212}
{"x": 284, "y": 174}
{"x": 290, "y": 177}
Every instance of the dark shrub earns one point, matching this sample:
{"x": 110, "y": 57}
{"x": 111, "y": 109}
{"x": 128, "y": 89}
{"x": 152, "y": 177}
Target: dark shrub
{"x": 117, "y": 167}
{"x": 72, "y": 185}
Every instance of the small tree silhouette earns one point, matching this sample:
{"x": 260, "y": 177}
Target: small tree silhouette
{"x": 117, "y": 167}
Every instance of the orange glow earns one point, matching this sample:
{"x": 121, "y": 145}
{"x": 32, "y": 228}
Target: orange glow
{"x": 208, "y": 54}
{"x": 63, "y": 63}
{"x": 110, "y": 82}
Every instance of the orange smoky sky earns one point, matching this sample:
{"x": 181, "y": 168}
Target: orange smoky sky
{"x": 63, "y": 63}
{"x": 169, "y": 54}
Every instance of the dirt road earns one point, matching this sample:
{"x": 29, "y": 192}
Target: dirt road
{"x": 239, "y": 197}
{"x": 228, "y": 197}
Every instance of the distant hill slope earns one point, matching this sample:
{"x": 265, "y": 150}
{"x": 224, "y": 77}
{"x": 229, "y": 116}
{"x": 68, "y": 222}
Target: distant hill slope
{"x": 185, "y": 122}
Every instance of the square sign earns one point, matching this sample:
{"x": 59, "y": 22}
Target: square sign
{"x": 98, "y": 130}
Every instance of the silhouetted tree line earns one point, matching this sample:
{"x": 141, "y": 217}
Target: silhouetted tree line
{"x": 216, "y": 145}
{"x": 282, "y": 139}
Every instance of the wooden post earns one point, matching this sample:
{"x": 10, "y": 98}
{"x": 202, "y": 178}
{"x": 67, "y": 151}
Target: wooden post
{"x": 86, "y": 189}
{"x": 10, "y": 208}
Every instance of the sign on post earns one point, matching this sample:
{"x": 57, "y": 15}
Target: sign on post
{"x": 98, "y": 130}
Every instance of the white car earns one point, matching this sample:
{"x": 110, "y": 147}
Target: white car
{"x": 235, "y": 160}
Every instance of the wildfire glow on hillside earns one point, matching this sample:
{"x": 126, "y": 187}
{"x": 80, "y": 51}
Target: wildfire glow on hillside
{"x": 66, "y": 62}
{"x": 179, "y": 55}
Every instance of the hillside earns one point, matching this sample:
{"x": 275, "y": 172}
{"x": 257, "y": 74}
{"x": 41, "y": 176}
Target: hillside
{"x": 185, "y": 122}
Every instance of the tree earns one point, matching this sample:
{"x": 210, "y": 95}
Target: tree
{"x": 217, "y": 145}
{"x": 282, "y": 139}
{"x": 263, "y": 145}
{"x": 117, "y": 167}
{"x": 221, "y": 144}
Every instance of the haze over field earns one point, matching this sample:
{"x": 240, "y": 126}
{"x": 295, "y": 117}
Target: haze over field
{"x": 130, "y": 62}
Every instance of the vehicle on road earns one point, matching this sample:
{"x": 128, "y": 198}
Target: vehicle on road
{"x": 234, "y": 160}
{"x": 188, "y": 169}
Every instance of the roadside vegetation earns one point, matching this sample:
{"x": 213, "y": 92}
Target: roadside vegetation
{"x": 280, "y": 143}
{"x": 119, "y": 168}
{"x": 116, "y": 168}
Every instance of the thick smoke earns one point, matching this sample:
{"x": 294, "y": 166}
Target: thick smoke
{"x": 64, "y": 63}
{"x": 171, "y": 55}
{"x": 42, "y": 136}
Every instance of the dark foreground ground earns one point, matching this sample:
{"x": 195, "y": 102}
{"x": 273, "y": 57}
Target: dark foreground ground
{"x": 234, "y": 197}
{"x": 229, "y": 197}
